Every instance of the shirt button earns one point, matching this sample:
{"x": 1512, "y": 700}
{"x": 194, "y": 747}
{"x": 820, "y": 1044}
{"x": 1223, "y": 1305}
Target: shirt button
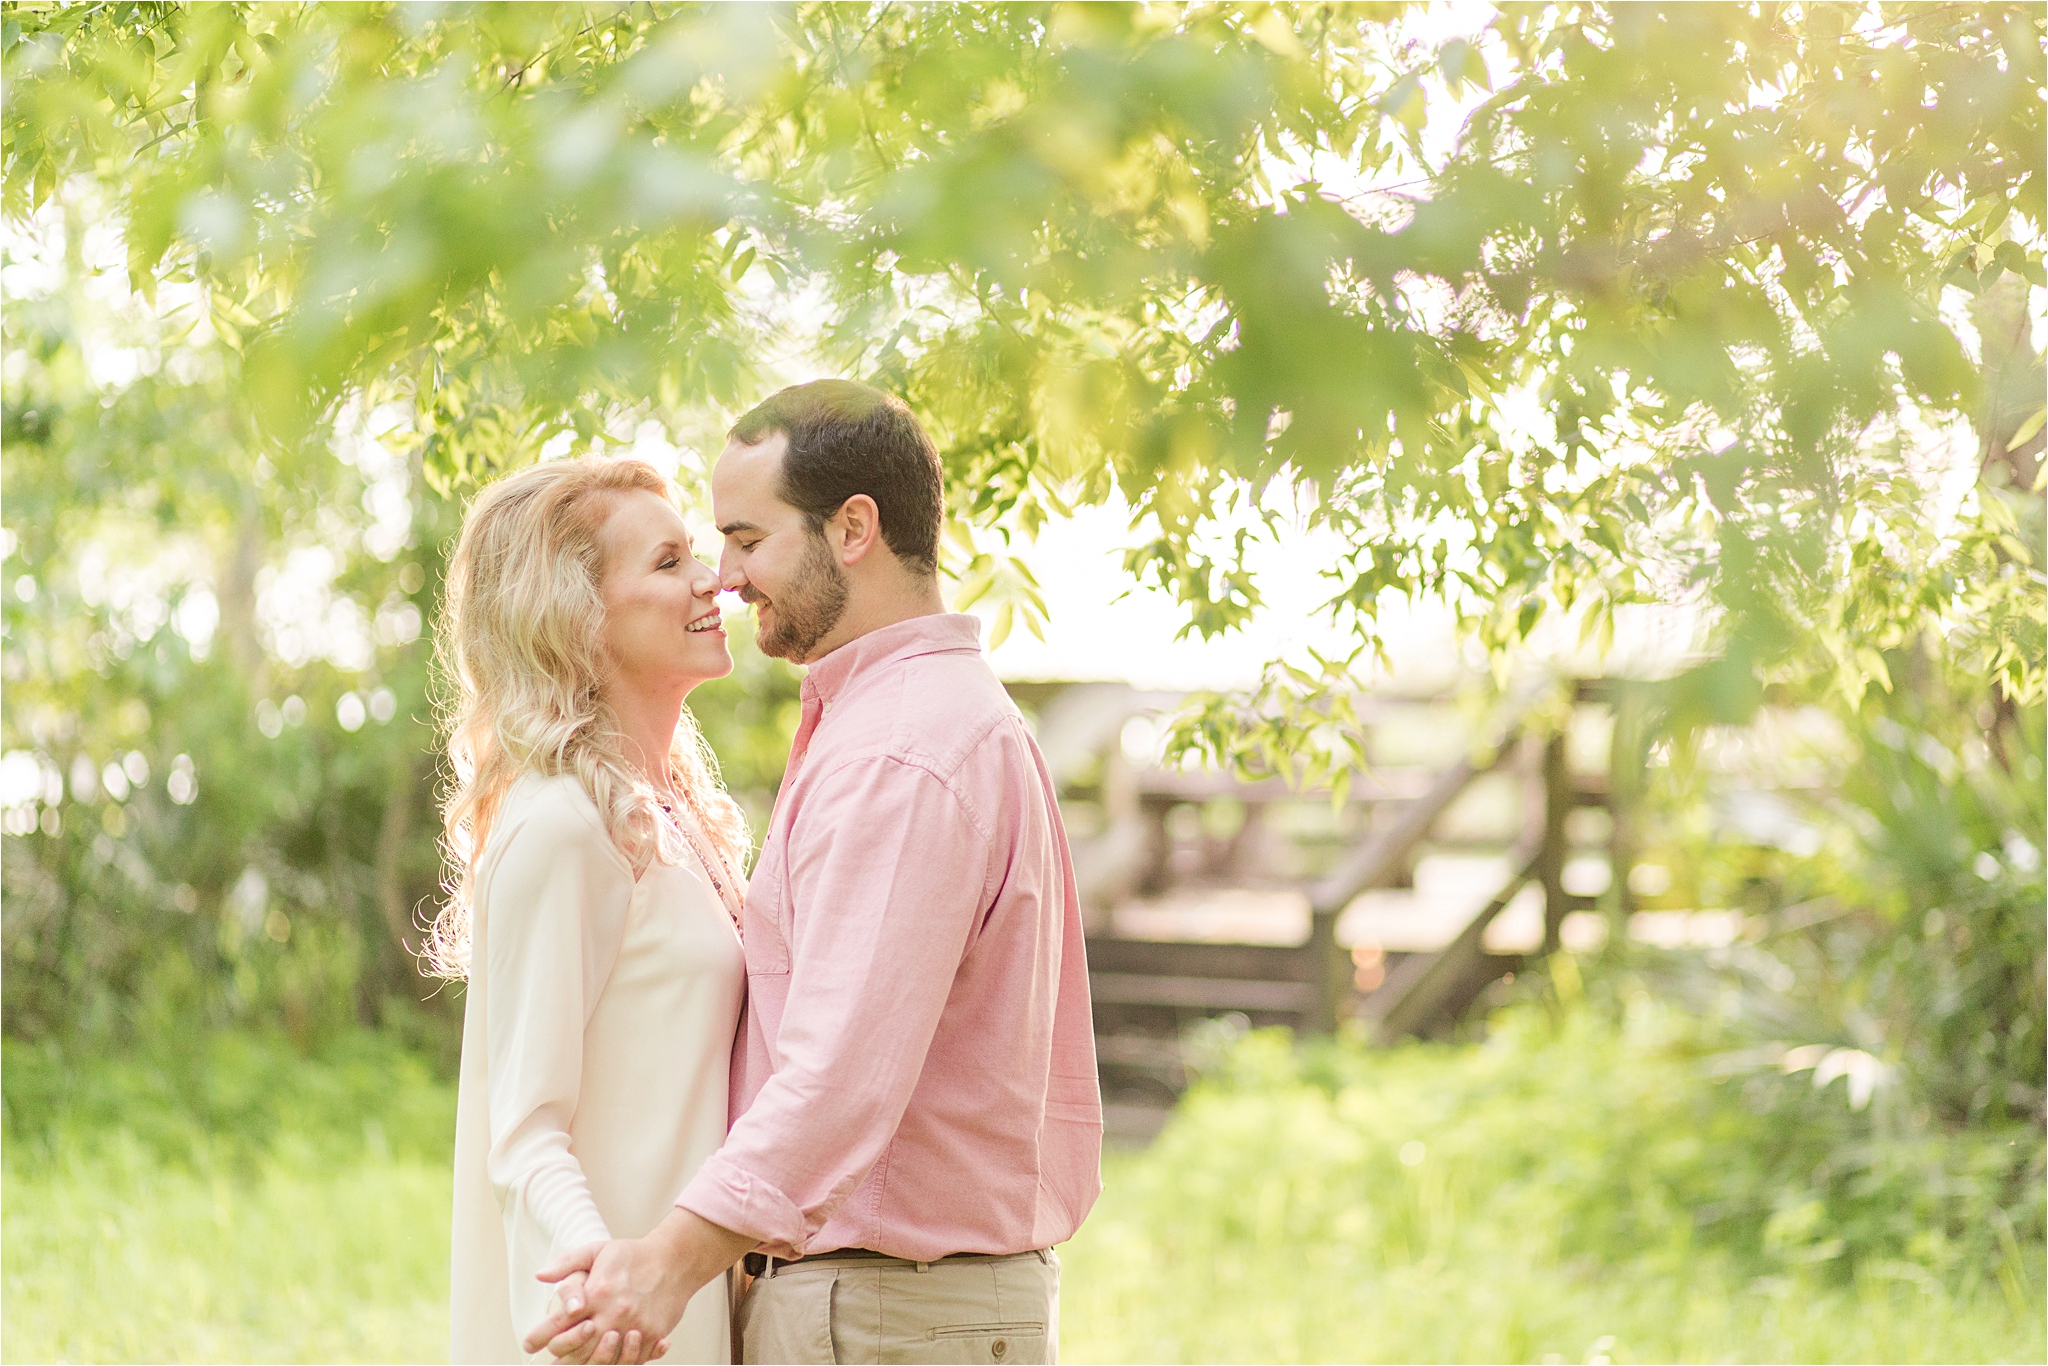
{"x": 999, "y": 1349}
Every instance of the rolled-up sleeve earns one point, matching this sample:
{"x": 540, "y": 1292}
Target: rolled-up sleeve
{"x": 873, "y": 959}
{"x": 553, "y": 919}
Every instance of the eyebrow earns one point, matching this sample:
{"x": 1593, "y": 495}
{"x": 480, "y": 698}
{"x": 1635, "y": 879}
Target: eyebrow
{"x": 731, "y": 528}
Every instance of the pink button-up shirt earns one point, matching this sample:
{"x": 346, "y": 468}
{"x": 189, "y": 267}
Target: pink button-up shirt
{"x": 916, "y": 1073}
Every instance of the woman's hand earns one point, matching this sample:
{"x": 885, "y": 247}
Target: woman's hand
{"x": 568, "y": 1301}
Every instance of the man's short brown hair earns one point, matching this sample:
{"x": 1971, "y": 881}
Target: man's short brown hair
{"x": 847, "y": 438}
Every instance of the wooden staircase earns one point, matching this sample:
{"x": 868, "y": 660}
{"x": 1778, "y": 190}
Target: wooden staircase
{"x": 1149, "y": 993}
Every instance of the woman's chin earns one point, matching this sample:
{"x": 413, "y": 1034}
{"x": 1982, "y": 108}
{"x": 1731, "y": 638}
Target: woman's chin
{"x": 712, "y": 658}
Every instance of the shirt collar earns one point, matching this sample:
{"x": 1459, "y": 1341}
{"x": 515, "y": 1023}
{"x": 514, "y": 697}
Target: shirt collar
{"x": 939, "y": 633}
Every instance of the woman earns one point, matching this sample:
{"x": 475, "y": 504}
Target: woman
{"x": 594, "y": 904}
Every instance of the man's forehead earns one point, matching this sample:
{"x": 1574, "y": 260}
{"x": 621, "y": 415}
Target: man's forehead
{"x": 763, "y": 456}
{"x": 748, "y": 477}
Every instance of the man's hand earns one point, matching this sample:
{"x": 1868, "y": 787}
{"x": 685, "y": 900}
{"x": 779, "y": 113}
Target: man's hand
{"x": 635, "y": 1290}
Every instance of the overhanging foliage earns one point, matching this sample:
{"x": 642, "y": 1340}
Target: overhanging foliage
{"x": 1671, "y": 315}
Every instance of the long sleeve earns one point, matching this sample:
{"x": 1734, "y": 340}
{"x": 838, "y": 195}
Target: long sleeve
{"x": 552, "y": 920}
{"x": 872, "y": 966}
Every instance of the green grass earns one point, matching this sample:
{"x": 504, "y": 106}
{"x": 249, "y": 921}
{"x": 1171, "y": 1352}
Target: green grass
{"x": 1492, "y": 1294}
{"x": 126, "y": 1260}
{"x": 229, "y": 1200}
{"x": 1557, "y": 1209}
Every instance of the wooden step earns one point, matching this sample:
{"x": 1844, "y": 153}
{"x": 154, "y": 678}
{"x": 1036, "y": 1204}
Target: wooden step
{"x": 1133, "y": 1126}
{"x": 1163, "y": 958}
{"x": 1209, "y": 994}
{"x": 1140, "y": 1051}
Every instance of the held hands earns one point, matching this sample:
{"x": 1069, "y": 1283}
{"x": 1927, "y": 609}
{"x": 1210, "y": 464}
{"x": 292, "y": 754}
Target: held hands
{"x": 568, "y": 1303}
{"x": 592, "y": 1316}
{"x": 632, "y": 1291}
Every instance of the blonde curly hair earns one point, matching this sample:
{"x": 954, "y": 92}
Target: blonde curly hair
{"x": 522, "y": 665}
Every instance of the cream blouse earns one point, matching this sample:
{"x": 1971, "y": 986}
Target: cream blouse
{"x": 596, "y": 1053}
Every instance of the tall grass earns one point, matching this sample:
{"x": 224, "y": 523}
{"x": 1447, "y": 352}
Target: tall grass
{"x": 1567, "y": 1194}
{"x": 1559, "y": 1194}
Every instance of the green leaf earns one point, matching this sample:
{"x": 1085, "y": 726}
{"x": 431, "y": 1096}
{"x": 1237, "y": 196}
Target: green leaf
{"x": 2027, "y": 429}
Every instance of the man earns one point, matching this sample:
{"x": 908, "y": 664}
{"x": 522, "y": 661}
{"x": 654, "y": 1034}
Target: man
{"x": 916, "y": 1120}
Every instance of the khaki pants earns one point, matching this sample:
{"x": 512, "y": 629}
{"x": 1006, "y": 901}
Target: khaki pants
{"x": 1001, "y": 1310}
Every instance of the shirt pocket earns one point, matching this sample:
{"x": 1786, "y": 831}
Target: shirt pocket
{"x": 766, "y": 922}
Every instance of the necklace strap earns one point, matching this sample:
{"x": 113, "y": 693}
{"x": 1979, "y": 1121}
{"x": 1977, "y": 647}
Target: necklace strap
{"x": 713, "y": 861}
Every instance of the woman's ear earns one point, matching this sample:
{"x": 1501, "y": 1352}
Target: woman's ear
{"x": 859, "y": 524}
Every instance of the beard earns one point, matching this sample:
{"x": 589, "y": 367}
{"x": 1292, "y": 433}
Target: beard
{"x": 807, "y": 609}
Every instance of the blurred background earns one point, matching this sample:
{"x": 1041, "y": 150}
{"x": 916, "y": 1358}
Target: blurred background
{"x": 1519, "y": 529}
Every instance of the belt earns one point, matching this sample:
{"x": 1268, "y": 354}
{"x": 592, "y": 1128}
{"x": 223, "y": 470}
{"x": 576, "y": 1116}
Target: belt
{"x": 762, "y": 1264}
